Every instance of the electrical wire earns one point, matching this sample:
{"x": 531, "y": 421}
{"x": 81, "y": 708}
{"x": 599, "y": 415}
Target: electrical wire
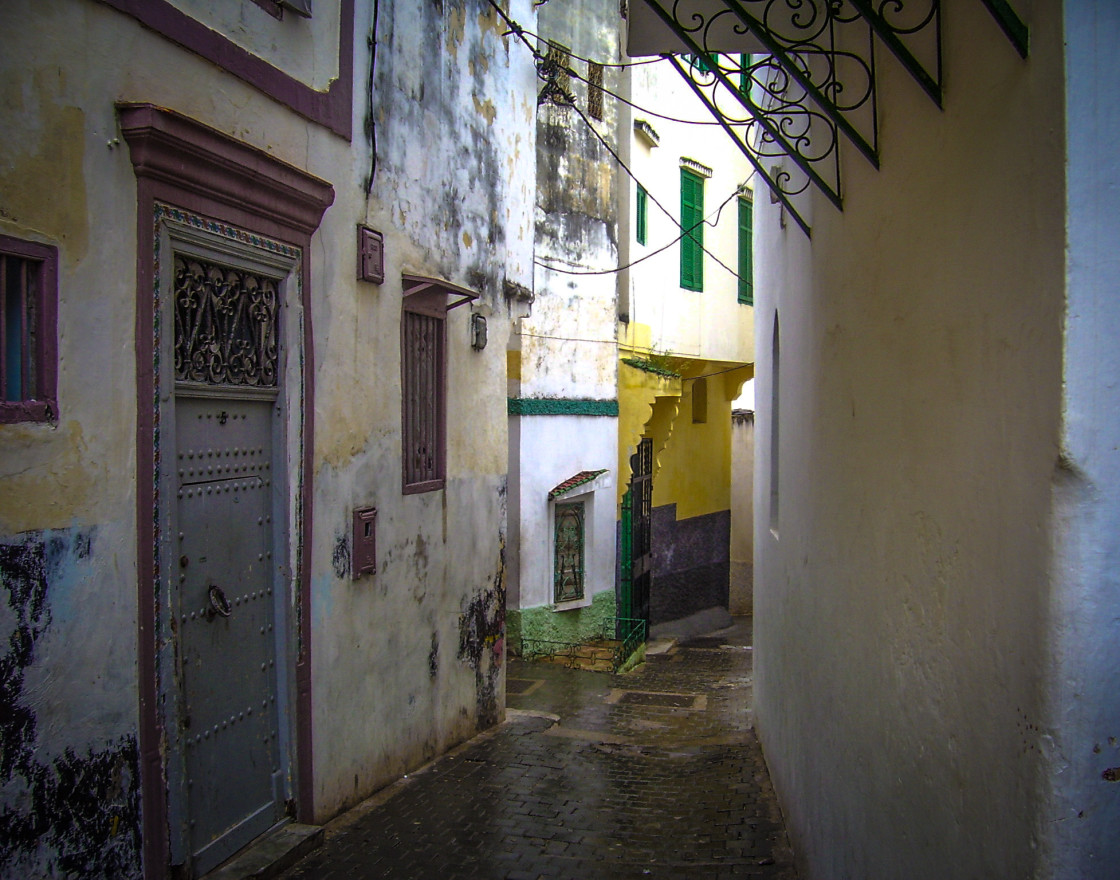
{"x": 650, "y": 195}
{"x": 553, "y": 88}
{"x": 642, "y": 259}
{"x": 569, "y": 338}
{"x": 572, "y": 72}
{"x": 618, "y": 64}
{"x": 371, "y": 127}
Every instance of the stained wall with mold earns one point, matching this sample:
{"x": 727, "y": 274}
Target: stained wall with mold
{"x": 562, "y": 359}
{"x": 409, "y": 661}
{"x": 405, "y": 662}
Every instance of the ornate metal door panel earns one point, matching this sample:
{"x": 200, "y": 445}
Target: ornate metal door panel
{"x": 568, "y": 566}
{"x": 225, "y": 584}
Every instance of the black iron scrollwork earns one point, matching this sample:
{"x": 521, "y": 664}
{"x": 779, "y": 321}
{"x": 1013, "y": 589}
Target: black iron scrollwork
{"x": 226, "y": 327}
{"x": 813, "y": 85}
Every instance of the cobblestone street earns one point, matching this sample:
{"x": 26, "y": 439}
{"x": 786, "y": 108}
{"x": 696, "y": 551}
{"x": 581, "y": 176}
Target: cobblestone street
{"x": 654, "y": 773}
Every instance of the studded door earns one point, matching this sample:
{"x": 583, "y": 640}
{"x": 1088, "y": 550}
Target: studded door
{"x": 225, "y": 595}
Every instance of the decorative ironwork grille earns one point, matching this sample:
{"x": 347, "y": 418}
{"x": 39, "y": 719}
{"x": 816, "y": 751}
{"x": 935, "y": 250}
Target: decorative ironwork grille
{"x": 422, "y": 376}
{"x": 594, "y": 90}
{"x": 569, "y": 552}
{"x": 226, "y": 325}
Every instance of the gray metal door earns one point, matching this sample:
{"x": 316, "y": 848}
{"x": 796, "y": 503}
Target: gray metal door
{"x": 227, "y": 643}
{"x": 225, "y": 584}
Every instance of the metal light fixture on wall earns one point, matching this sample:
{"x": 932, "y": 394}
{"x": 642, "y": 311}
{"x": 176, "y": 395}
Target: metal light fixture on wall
{"x": 478, "y": 331}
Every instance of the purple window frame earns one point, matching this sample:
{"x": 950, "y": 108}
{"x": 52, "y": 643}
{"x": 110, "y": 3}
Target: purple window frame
{"x": 331, "y": 109}
{"x": 417, "y": 425}
{"x": 42, "y": 405}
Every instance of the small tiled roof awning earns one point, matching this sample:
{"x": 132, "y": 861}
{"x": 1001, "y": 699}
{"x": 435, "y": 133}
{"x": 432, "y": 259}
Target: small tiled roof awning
{"x": 414, "y": 284}
{"x": 572, "y": 482}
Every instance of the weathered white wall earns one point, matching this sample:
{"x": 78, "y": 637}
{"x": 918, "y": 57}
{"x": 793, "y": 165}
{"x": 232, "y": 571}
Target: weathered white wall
{"x": 1082, "y": 729}
{"x": 709, "y": 324}
{"x": 552, "y": 449}
{"x": 901, "y": 600}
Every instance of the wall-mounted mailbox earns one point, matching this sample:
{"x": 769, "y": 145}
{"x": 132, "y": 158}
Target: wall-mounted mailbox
{"x": 363, "y": 547}
{"x": 371, "y": 255}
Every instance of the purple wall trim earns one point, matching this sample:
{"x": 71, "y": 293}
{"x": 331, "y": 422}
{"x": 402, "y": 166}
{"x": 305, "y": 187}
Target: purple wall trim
{"x": 44, "y": 408}
{"x": 332, "y": 109}
{"x": 186, "y": 164}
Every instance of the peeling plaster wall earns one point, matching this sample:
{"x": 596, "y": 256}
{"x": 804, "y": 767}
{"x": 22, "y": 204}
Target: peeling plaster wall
{"x": 405, "y": 663}
{"x": 567, "y": 343}
{"x": 565, "y": 349}
{"x": 409, "y": 661}
{"x": 902, "y": 594}
{"x": 69, "y": 769}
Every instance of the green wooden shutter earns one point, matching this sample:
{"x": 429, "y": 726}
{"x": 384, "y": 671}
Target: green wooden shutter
{"x": 692, "y": 244}
{"x": 746, "y": 257}
{"x": 643, "y": 216}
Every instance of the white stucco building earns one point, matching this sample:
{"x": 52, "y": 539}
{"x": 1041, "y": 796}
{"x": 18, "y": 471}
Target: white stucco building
{"x": 936, "y": 491}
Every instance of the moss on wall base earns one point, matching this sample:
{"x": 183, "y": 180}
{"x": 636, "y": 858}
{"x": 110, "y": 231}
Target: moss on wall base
{"x": 574, "y": 626}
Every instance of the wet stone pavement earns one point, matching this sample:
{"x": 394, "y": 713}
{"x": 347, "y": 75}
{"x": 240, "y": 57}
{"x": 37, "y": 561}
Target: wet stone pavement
{"x": 653, "y": 773}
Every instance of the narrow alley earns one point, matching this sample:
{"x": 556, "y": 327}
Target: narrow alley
{"x": 653, "y": 773}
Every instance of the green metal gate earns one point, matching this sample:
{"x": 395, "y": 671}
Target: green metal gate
{"x": 636, "y": 508}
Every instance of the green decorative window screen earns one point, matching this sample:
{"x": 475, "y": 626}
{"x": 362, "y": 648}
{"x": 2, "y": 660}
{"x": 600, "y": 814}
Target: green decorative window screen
{"x": 642, "y": 221}
{"x": 692, "y": 243}
{"x": 568, "y": 567}
{"x": 746, "y": 259}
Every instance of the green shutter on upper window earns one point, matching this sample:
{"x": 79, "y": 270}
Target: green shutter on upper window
{"x": 692, "y": 242}
{"x": 746, "y": 257}
{"x": 643, "y": 216}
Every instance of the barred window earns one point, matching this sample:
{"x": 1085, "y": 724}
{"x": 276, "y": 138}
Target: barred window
{"x": 594, "y": 90}
{"x": 423, "y": 393}
{"x": 28, "y": 341}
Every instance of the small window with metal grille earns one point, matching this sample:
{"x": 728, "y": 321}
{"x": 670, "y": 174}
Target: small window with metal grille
{"x": 594, "y": 90}
{"x": 423, "y": 392}
{"x": 28, "y": 342}
{"x": 568, "y": 568}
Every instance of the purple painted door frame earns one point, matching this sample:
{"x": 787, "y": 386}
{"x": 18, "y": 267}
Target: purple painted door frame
{"x": 181, "y": 162}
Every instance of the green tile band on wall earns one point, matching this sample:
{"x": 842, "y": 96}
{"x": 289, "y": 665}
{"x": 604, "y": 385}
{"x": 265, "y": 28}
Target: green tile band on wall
{"x": 560, "y": 406}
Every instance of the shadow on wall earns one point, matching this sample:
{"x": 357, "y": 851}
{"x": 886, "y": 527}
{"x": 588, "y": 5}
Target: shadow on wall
{"x": 741, "y": 594}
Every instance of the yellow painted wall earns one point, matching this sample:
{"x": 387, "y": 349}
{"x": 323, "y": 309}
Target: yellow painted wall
{"x": 694, "y": 469}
